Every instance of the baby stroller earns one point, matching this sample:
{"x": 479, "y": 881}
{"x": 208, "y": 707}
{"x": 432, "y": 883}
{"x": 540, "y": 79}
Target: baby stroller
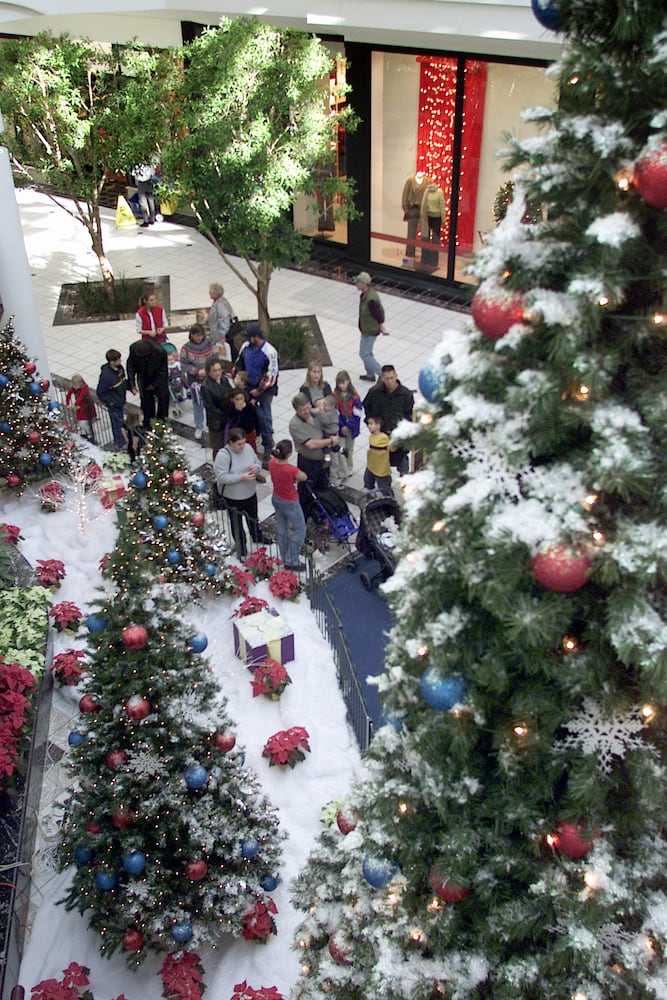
{"x": 379, "y": 519}
{"x": 177, "y": 391}
{"x": 327, "y": 508}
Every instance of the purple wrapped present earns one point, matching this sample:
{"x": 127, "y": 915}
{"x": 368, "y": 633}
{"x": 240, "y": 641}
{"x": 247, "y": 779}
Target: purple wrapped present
{"x": 264, "y": 635}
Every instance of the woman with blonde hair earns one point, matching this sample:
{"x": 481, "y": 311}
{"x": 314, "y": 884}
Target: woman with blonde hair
{"x": 314, "y": 385}
{"x": 221, "y": 319}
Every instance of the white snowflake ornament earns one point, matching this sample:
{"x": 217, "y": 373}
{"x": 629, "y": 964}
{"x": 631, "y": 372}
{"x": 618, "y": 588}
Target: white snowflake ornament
{"x": 604, "y": 735}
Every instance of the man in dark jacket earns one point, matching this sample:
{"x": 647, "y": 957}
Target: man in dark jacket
{"x": 392, "y": 402}
{"x": 259, "y": 359}
{"x": 111, "y": 389}
{"x": 148, "y": 371}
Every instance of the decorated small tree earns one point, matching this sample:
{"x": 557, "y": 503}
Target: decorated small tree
{"x": 34, "y": 442}
{"x": 510, "y": 841}
{"x": 167, "y": 533}
{"x": 172, "y": 843}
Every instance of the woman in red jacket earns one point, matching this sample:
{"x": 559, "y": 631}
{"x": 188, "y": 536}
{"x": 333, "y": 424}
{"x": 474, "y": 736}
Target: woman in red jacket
{"x": 151, "y": 319}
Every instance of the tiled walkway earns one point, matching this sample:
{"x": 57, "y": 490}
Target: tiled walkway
{"x": 59, "y": 252}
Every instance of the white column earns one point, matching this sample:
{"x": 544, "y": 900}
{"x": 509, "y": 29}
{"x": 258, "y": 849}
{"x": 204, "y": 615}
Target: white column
{"x": 18, "y": 297}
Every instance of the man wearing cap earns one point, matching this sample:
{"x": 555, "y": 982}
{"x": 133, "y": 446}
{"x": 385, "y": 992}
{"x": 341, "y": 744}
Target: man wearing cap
{"x": 260, "y": 360}
{"x": 371, "y": 324}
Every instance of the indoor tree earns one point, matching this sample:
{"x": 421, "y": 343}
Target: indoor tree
{"x": 255, "y": 130}
{"x": 508, "y": 838}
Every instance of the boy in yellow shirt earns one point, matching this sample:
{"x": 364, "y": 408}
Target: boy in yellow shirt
{"x": 377, "y": 474}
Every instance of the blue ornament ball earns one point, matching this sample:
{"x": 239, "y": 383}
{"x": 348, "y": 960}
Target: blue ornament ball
{"x": 197, "y": 643}
{"x": 431, "y": 381}
{"x": 54, "y": 405}
{"x": 210, "y": 569}
{"x": 379, "y": 872}
{"x": 75, "y": 739}
{"x": 182, "y": 932}
{"x": 83, "y": 854}
{"x": 160, "y": 522}
{"x": 5, "y": 427}
{"x": 442, "y": 693}
{"x": 195, "y": 776}
{"x": 140, "y": 480}
{"x": 135, "y": 862}
{"x": 4, "y": 381}
{"x": 45, "y": 459}
{"x": 201, "y": 487}
{"x": 35, "y": 388}
{"x": 106, "y": 880}
{"x": 548, "y": 13}
{"x": 250, "y": 848}
{"x": 96, "y": 623}
{"x": 392, "y": 720}
{"x": 173, "y": 556}
{"x": 269, "y": 883}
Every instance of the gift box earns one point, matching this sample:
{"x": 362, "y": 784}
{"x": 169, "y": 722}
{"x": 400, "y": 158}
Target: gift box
{"x": 112, "y": 488}
{"x": 264, "y": 635}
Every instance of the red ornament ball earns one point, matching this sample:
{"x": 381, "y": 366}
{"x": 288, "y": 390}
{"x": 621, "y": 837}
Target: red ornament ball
{"x": 13, "y": 480}
{"x": 347, "y": 818}
{"x": 93, "y": 828}
{"x": 115, "y": 758}
{"x": 339, "y": 949}
{"x": 495, "y": 310}
{"x": 446, "y": 888}
{"x": 45, "y": 384}
{"x": 133, "y": 939}
{"x": 178, "y": 477}
{"x": 122, "y": 820}
{"x": 198, "y": 519}
{"x": 137, "y": 708}
{"x": 196, "y": 870}
{"x": 571, "y": 840}
{"x": 34, "y": 437}
{"x": 88, "y": 704}
{"x": 134, "y": 637}
{"x": 562, "y": 568}
{"x": 224, "y": 742}
{"x": 650, "y": 174}
{"x": 29, "y": 367}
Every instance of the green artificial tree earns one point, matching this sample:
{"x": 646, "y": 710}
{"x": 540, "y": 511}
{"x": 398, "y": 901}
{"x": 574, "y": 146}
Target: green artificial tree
{"x": 173, "y": 844}
{"x": 34, "y": 442}
{"x": 510, "y": 833}
{"x": 254, "y": 131}
{"x": 167, "y": 533}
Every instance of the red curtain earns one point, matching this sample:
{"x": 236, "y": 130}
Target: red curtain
{"x": 435, "y": 137}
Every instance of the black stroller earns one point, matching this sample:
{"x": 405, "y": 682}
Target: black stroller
{"x": 380, "y": 516}
{"x": 328, "y": 509}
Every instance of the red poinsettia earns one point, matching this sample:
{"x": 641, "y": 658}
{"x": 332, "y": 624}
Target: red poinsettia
{"x": 258, "y": 922}
{"x": 51, "y": 496}
{"x": 15, "y": 681}
{"x": 68, "y": 988}
{"x": 269, "y": 678}
{"x": 242, "y": 580}
{"x": 11, "y": 533}
{"x": 183, "y": 976}
{"x": 261, "y": 564}
{"x": 50, "y": 572}
{"x": 65, "y": 615}
{"x": 250, "y": 606}
{"x": 285, "y": 584}
{"x": 287, "y": 747}
{"x": 244, "y": 992}
{"x": 67, "y": 666}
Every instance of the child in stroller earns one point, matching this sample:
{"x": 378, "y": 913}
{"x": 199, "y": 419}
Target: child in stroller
{"x": 379, "y": 521}
{"x": 177, "y": 391}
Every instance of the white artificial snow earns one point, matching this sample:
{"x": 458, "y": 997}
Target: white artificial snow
{"x": 557, "y": 308}
{"x": 603, "y": 735}
{"x": 639, "y": 548}
{"x": 614, "y": 230}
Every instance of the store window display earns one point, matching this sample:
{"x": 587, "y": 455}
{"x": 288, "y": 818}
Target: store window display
{"x": 411, "y": 200}
{"x": 432, "y": 218}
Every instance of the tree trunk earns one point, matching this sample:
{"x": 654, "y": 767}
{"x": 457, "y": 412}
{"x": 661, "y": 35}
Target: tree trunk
{"x": 103, "y": 260}
{"x": 264, "y": 271}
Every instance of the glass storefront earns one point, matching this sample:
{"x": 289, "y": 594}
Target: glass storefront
{"x": 437, "y": 125}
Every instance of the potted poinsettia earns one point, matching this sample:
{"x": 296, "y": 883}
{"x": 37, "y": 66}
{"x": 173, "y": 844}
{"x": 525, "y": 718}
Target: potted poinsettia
{"x": 51, "y": 496}
{"x": 242, "y": 991}
{"x": 50, "y": 572}
{"x": 270, "y": 679}
{"x": 261, "y": 564}
{"x": 250, "y": 606}
{"x": 72, "y": 986}
{"x": 287, "y": 748}
{"x": 67, "y": 667}
{"x": 16, "y": 682}
{"x": 258, "y": 922}
{"x": 242, "y": 580}
{"x": 285, "y": 584}
{"x": 65, "y": 616}
{"x": 182, "y": 976}
{"x": 11, "y": 533}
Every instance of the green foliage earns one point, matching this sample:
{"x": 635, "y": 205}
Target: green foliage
{"x": 23, "y": 626}
{"x": 289, "y": 339}
{"x": 95, "y": 298}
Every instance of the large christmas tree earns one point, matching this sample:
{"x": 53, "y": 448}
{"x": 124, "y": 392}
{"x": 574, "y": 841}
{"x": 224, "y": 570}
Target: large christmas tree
{"x": 507, "y": 839}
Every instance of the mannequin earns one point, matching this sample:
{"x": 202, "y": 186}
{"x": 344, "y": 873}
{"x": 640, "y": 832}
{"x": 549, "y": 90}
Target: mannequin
{"x": 411, "y": 200}
{"x": 432, "y": 216}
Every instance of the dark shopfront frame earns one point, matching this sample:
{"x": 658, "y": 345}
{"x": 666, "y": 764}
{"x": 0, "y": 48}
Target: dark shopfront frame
{"x": 357, "y": 252}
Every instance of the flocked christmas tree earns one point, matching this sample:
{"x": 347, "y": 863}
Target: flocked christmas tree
{"x": 33, "y": 439}
{"x": 173, "y": 842}
{"x": 167, "y": 532}
{"x": 508, "y": 840}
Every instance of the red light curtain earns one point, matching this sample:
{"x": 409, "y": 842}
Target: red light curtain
{"x": 435, "y": 135}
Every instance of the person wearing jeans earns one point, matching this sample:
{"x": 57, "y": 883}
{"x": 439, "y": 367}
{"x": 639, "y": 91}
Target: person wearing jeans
{"x": 194, "y": 355}
{"x": 237, "y": 471}
{"x": 290, "y": 522}
{"x": 371, "y": 325}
